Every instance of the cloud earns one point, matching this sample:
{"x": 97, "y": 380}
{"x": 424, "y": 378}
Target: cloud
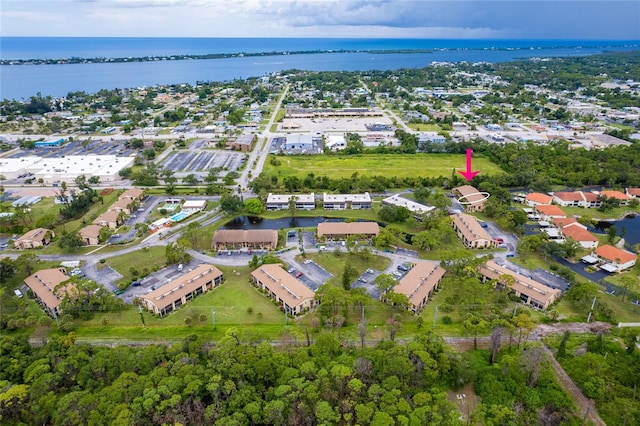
{"x": 33, "y": 16}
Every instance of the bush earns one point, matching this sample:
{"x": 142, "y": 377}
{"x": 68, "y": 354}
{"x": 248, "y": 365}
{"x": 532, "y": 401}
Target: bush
{"x": 447, "y": 320}
{"x": 103, "y": 260}
{"x": 446, "y": 308}
{"x": 250, "y": 310}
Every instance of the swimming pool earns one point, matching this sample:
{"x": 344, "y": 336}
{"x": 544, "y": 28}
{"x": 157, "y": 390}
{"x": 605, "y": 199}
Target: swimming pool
{"x": 178, "y": 216}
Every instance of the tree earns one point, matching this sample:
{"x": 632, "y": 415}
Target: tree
{"x": 230, "y": 204}
{"x": 292, "y": 205}
{"x": 474, "y": 325}
{"x": 105, "y": 234}
{"x": 524, "y": 324}
{"x": 176, "y": 252}
{"x": 349, "y": 273}
{"x": 253, "y": 206}
{"x": 27, "y": 262}
{"x": 611, "y": 234}
{"x": 384, "y": 283}
{"x": 70, "y": 240}
{"x": 190, "y": 179}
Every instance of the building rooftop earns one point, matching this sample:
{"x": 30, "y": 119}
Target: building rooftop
{"x": 91, "y": 231}
{"x": 470, "y": 227}
{"x": 615, "y": 194}
{"x": 348, "y": 228}
{"x": 341, "y": 198}
{"x": 578, "y": 233}
{"x": 182, "y": 285}
{"x": 569, "y": 196}
{"x": 44, "y": 282}
{"x": 231, "y": 236}
{"x": 284, "y": 198}
{"x": 283, "y": 285}
{"x": 412, "y": 206}
{"x": 471, "y": 194}
{"x": 419, "y": 281}
{"x": 38, "y": 233}
{"x": 551, "y": 210}
{"x": 523, "y": 284}
{"x": 614, "y": 254}
{"x": 538, "y": 197}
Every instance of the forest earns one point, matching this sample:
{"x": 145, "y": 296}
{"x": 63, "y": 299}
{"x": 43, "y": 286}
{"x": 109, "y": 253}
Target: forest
{"x": 243, "y": 380}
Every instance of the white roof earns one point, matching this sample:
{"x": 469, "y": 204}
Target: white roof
{"x": 331, "y": 140}
{"x": 194, "y": 204}
{"x": 8, "y": 165}
{"x": 609, "y": 268}
{"x": 161, "y": 221}
{"x": 412, "y": 206}
{"x": 346, "y": 197}
{"x": 589, "y": 259}
{"x": 552, "y": 232}
{"x": 90, "y": 165}
{"x": 284, "y": 198}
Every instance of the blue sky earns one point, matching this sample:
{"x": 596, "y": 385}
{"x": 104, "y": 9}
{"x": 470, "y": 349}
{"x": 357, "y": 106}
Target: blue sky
{"x": 532, "y": 19}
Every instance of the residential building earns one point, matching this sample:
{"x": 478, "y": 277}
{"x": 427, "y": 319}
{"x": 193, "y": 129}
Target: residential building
{"x": 591, "y": 200}
{"x": 123, "y": 205}
{"x": 35, "y": 238}
{"x": 412, "y": 206}
{"x": 537, "y": 199}
{"x": 549, "y": 212}
{"x": 281, "y": 202}
{"x": 90, "y": 235}
{"x": 617, "y": 195}
{"x": 530, "y": 291}
{"x": 633, "y": 192}
{"x": 45, "y": 285}
{"x": 561, "y": 222}
{"x": 420, "y": 283}
{"x": 578, "y": 233}
{"x": 615, "y": 259}
{"x": 342, "y": 230}
{"x": 291, "y": 294}
{"x": 335, "y": 142}
{"x": 225, "y": 239}
{"x": 470, "y": 232}
{"x": 569, "y": 199}
{"x": 346, "y": 201}
{"x": 470, "y": 197}
{"x": 109, "y": 219}
{"x": 179, "y": 291}
{"x": 132, "y": 194}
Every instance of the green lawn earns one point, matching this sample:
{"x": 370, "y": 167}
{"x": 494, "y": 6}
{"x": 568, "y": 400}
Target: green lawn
{"x": 152, "y": 258}
{"x": 420, "y": 127}
{"x": 615, "y": 213}
{"x": 392, "y": 165}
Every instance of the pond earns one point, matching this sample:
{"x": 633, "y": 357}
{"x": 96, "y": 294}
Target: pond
{"x": 631, "y": 224}
{"x": 256, "y": 222}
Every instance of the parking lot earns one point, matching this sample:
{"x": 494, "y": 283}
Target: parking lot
{"x": 332, "y": 124}
{"x": 309, "y": 273}
{"x": 203, "y": 160}
{"x": 366, "y": 281}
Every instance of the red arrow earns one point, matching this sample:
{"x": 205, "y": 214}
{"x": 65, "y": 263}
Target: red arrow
{"x": 468, "y": 174}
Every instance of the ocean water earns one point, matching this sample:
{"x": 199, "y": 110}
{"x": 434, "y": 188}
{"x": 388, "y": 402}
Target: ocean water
{"x": 23, "y": 81}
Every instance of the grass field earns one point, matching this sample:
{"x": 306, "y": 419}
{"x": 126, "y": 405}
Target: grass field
{"x": 615, "y": 213}
{"x": 400, "y": 165}
{"x": 152, "y": 258}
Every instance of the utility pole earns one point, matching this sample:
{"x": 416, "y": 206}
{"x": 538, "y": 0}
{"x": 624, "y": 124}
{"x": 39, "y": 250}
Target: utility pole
{"x": 435, "y": 316}
{"x": 593, "y": 304}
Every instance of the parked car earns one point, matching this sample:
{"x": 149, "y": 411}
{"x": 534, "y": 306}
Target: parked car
{"x": 299, "y": 274}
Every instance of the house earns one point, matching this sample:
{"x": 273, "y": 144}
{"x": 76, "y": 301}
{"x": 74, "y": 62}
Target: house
{"x": 470, "y": 232}
{"x": 419, "y": 284}
{"x": 224, "y": 239}
{"x": 123, "y": 205}
{"x": 530, "y": 291}
{"x": 281, "y": 202}
{"x": 537, "y": 199}
{"x": 179, "y": 291}
{"x": 132, "y": 194}
{"x": 617, "y": 195}
{"x": 46, "y": 287}
{"x": 412, "y": 206}
{"x": 591, "y": 200}
{"x": 578, "y": 233}
{"x": 615, "y": 259}
{"x": 633, "y": 192}
{"x": 342, "y": 230}
{"x": 561, "y": 222}
{"x": 291, "y": 294}
{"x": 470, "y": 197}
{"x": 109, "y": 219}
{"x": 335, "y": 142}
{"x": 35, "y": 238}
{"x": 569, "y": 199}
{"x": 346, "y": 201}
{"x": 90, "y": 235}
{"x": 549, "y": 212}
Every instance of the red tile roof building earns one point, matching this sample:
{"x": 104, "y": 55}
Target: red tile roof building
{"x": 618, "y": 258}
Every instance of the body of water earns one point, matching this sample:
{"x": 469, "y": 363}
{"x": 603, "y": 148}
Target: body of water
{"x": 632, "y": 226}
{"x": 255, "y": 222}
{"x": 23, "y": 81}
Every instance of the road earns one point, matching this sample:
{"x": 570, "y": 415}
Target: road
{"x": 259, "y": 155}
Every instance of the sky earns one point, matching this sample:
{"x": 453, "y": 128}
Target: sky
{"x": 457, "y": 19}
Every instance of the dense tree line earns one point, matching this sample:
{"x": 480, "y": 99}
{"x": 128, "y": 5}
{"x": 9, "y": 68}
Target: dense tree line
{"x": 243, "y": 380}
